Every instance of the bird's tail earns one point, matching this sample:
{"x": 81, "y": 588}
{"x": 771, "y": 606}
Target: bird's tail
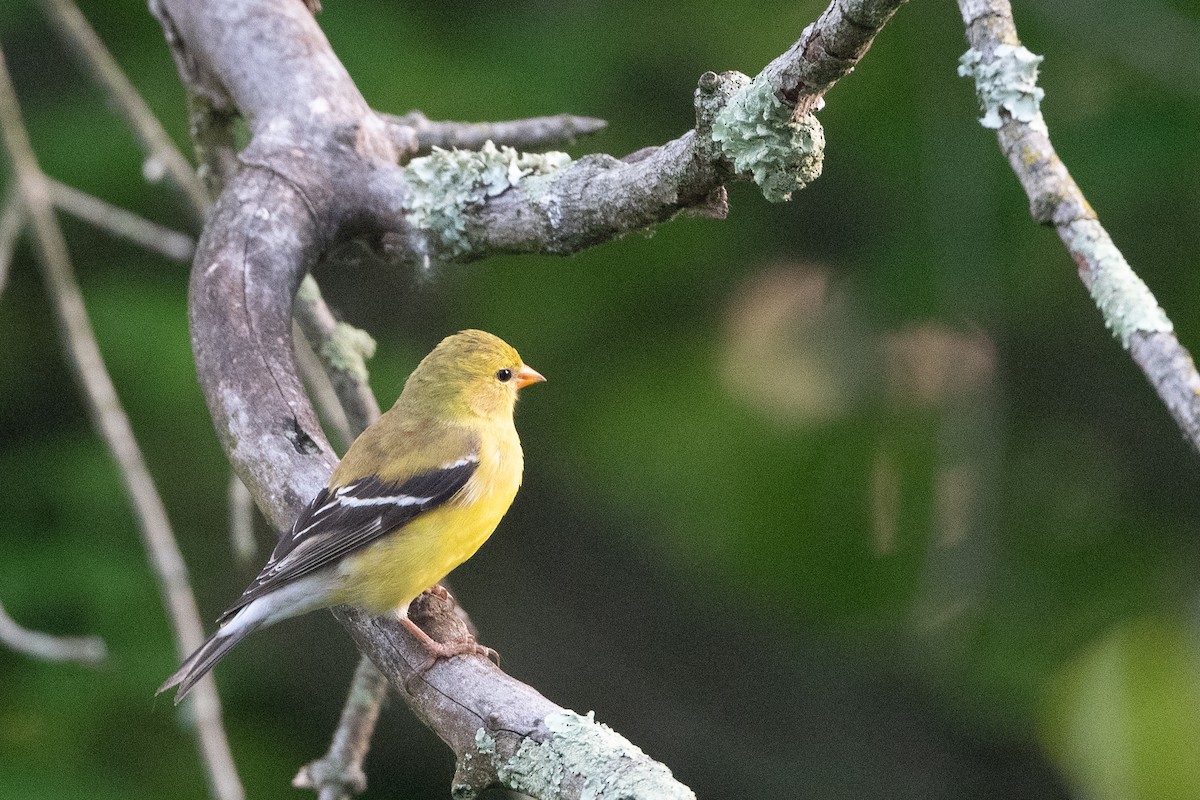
{"x": 205, "y": 658}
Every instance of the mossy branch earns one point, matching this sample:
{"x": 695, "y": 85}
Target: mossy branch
{"x": 1005, "y": 75}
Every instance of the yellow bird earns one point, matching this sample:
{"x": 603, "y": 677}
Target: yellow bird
{"x": 415, "y": 496}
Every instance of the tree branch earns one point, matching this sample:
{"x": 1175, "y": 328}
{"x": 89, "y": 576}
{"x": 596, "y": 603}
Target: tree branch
{"x": 82, "y": 649}
{"x": 320, "y": 166}
{"x": 211, "y": 125}
{"x": 339, "y": 774}
{"x": 12, "y": 222}
{"x": 761, "y": 130}
{"x": 828, "y": 50}
{"x": 113, "y": 425}
{"x": 119, "y": 222}
{"x": 342, "y": 351}
{"x": 419, "y": 134}
{"x": 1006, "y": 79}
{"x": 162, "y": 157}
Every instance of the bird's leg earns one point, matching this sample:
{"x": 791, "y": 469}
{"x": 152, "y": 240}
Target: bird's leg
{"x": 465, "y": 643}
{"x": 471, "y": 646}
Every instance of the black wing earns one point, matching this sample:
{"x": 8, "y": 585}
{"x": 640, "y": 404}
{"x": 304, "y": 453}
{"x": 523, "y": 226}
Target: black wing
{"x": 340, "y": 521}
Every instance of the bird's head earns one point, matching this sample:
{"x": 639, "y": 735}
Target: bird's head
{"x": 469, "y": 373}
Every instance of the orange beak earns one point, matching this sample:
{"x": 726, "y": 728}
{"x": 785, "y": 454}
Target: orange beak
{"x": 527, "y": 375}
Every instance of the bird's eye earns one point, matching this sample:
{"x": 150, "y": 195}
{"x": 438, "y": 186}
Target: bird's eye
{"x": 504, "y": 375}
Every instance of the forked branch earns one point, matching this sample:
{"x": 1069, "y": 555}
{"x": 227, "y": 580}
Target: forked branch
{"x": 322, "y": 165}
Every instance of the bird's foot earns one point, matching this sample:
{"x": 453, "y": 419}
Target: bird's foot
{"x": 439, "y": 651}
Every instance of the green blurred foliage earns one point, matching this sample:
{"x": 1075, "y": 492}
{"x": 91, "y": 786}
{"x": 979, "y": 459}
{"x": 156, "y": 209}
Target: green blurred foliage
{"x": 849, "y": 497}
{"x": 1123, "y": 719}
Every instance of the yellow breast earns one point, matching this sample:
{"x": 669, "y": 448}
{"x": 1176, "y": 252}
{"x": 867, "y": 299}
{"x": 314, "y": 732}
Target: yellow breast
{"x": 402, "y": 564}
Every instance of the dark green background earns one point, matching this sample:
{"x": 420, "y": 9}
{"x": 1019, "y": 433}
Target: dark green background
{"x": 849, "y": 497}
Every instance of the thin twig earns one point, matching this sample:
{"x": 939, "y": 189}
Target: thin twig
{"x": 113, "y": 425}
{"x": 342, "y": 350}
{"x": 339, "y": 774}
{"x": 161, "y": 154}
{"x": 1006, "y": 79}
{"x": 241, "y": 522}
{"x": 125, "y": 224}
{"x": 332, "y": 360}
{"x": 828, "y": 50}
{"x": 163, "y": 158}
{"x": 320, "y": 386}
{"x": 81, "y": 649}
{"x": 535, "y": 133}
{"x": 12, "y": 222}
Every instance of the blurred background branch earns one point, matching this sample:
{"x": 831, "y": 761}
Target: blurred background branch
{"x": 84, "y": 649}
{"x": 113, "y": 425}
{"x": 163, "y": 159}
{"x": 142, "y": 232}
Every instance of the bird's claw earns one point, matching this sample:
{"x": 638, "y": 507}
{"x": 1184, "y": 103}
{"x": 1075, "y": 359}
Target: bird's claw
{"x": 439, "y": 651}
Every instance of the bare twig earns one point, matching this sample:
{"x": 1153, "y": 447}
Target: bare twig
{"x": 12, "y": 221}
{"x": 113, "y": 424}
{"x": 339, "y": 774}
{"x": 82, "y": 649}
{"x": 142, "y": 232}
{"x": 1005, "y": 74}
{"x": 100, "y": 213}
{"x": 535, "y": 133}
{"x": 342, "y": 351}
{"x": 241, "y": 522}
{"x": 163, "y": 159}
{"x": 828, "y": 50}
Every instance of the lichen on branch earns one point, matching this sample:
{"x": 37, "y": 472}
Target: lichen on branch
{"x": 761, "y": 136}
{"x": 577, "y": 750}
{"x": 447, "y": 183}
{"x": 1123, "y": 298}
{"x": 1007, "y": 81}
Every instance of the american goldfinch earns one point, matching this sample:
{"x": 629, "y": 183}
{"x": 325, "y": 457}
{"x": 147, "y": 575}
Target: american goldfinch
{"x": 415, "y": 496}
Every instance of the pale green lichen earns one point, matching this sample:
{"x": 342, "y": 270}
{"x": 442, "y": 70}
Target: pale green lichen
{"x": 309, "y": 291}
{"x": 348, "y": 349}
{"x": 585, "y": 754}
{"x": 756, "y": 131}
{"x": 1008, "y": 81}
{"x": 445, "y": 184}
{"x": 1127, "y": 304}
